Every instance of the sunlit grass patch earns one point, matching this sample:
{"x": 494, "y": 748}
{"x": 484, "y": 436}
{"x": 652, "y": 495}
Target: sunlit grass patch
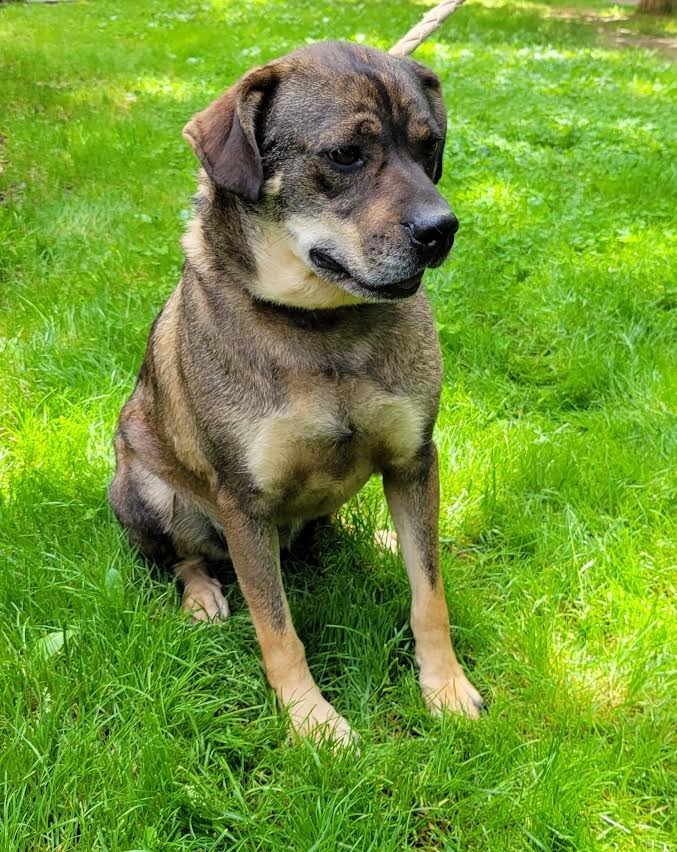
{"x": 124, "y": 728}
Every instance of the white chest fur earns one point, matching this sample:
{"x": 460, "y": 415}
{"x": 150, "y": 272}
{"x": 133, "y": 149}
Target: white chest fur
{"x": 317, "y": 451}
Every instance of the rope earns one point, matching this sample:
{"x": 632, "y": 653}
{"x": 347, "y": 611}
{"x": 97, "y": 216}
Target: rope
{"x": 427, "y": 25}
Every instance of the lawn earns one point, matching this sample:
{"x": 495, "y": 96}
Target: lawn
{"x": 122, "y": 726}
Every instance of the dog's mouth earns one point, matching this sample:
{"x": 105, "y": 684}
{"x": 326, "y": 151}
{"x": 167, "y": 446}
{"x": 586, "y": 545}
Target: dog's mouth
{"x": 326, "y": 262}
{"x": 401, "y": 289}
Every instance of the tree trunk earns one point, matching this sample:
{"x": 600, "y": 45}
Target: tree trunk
{"x": 657, "y": 7}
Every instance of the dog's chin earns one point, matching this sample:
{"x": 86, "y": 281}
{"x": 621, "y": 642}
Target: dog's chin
{"x": 335, "y": 273}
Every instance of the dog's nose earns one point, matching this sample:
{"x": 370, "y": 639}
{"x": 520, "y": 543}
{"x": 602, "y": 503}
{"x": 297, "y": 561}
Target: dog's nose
{"x": 432, "y": 232}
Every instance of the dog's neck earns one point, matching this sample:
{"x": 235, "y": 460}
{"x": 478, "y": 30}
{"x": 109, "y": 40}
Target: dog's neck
{"x": 217, "y": 213}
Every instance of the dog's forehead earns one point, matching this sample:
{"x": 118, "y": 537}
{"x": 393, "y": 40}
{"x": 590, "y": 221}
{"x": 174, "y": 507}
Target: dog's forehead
{"x": 326, "y": 86}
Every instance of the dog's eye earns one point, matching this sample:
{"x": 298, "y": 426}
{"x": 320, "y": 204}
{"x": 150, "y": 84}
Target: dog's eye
{"x": 346, "y": 155}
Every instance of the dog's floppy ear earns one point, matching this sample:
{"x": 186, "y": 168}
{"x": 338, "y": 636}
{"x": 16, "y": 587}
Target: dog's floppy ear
{"x": 223, "y": 135}
{"x": 437, "y": 166}
{"x": 433, "y": 91}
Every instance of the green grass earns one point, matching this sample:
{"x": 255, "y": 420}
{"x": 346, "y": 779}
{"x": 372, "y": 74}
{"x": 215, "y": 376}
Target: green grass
{"x": 122, "y": 726}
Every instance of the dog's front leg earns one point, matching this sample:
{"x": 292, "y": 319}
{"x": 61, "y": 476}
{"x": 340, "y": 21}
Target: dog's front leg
{"x": 413, "y": 500}
{"x": 254, "y": 548}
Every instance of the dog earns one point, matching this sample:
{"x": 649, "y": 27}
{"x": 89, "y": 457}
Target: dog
{"x": 298, "y": 355}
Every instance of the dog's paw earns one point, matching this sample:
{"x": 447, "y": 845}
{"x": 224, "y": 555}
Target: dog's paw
{"x": 312, "y": 717}
{"x": 457, "y": 695}
{"x": 333, "y": 730}
{"x": 204, "y": 600}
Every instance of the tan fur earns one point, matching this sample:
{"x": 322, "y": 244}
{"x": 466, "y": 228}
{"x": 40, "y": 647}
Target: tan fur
{"x": 311, "y": 715}
{"x": 273, "y": 186}
{"x": 298, "y": 437}
{"x": 193, "y": 241}
{"x": 283, "y": 277}
{"x": 404, "y": 417}
{"x": 195, "y": 247}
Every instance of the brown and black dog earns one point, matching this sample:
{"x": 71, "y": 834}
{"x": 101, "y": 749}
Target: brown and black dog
{"x": 298, "y": 356}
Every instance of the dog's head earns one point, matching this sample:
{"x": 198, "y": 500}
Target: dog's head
{"x": 335, "y": 151}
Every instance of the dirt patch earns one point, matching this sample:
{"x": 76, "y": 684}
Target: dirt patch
{"x": 619, "y": 37}
{"x": 589, "y": 16}
{"x": 622, "y": 38}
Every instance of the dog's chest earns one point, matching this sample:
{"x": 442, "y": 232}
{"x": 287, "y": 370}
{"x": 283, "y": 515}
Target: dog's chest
{"x": 316, "y": 451}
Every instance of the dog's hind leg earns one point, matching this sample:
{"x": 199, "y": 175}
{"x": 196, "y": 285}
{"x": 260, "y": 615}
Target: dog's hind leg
{"x": 142, "y": 504}
{"x": 170, "y": 532}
